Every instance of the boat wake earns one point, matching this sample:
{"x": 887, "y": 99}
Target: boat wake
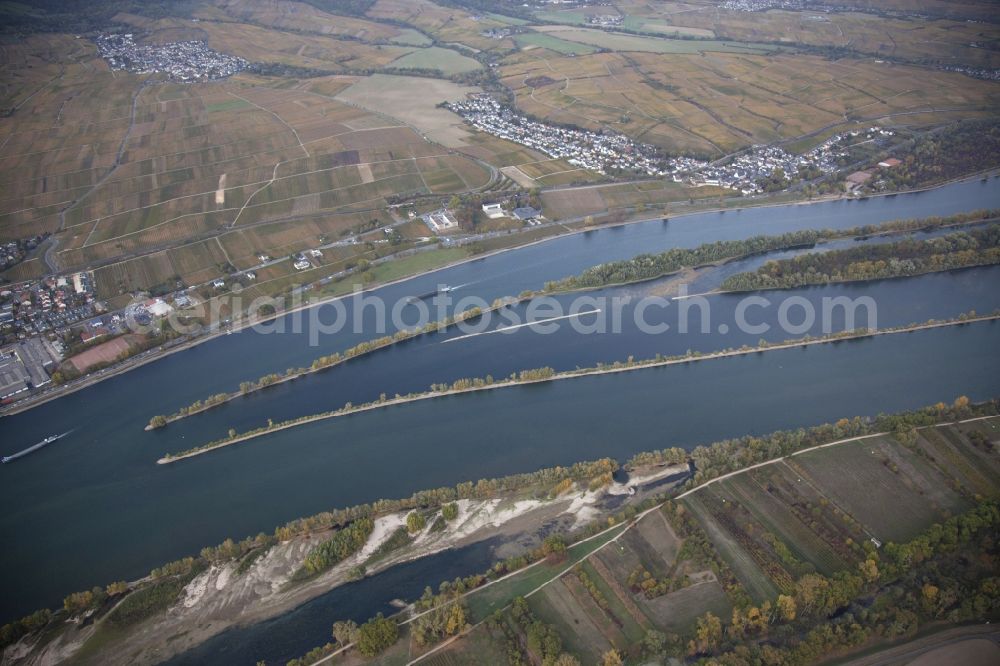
{"x": 31, "y": 449}
{"x": 517, "y": 326}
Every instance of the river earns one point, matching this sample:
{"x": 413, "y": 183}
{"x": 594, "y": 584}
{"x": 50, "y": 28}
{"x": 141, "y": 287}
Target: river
{"x": 93, "y": 507}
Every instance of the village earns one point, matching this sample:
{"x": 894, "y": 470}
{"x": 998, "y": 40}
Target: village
{"x": 44, "y": 322}
{"x": 748, "y": 171}
{"x": 607, "y": 153}
{"x": 598, "y": 151}
{"x": 182, "y": 61}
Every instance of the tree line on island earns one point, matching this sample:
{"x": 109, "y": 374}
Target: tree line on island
{"x": 535, "y": 375}
{"x": 905, "y": 258}
{"x": 651, "y": 266}
{"x": 320, "y": 363}
{"x": 639, "y": 268}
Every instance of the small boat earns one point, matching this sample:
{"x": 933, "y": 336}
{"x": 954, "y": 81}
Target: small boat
{"x": 442, "y": 289}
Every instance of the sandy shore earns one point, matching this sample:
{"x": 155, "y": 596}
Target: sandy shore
{"x": 221, "y": 598}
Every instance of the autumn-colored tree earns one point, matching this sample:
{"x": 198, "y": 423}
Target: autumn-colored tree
{"x": 869, "y": 569}
{"x": 345, "y": 631}
{"x": 708, "y": 634}
{"x": 611, "y": 658}
{"x": 786, "y": 608}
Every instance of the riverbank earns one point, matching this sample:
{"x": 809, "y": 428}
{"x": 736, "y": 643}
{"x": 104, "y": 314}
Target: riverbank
{"x": 227, "y": 595}
{"x": 541, "y": 375}
{"x": 707, "y": 256}
{"x": 157, "y": 354}
{"x": 210, "y": 602}
{"x": 325, "y": 363}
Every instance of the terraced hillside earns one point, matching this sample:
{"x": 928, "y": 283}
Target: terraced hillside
{"x": 759, "y": 541}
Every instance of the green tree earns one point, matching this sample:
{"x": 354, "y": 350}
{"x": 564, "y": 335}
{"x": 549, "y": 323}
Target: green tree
{"x": 377, "y": 635}
{"x": 450, "y": 511}
{"x": 415, "y": 522}
{"x": 654, "y": 643}
{"x": 345, "y": 631}
{"x": 554, "y": 547}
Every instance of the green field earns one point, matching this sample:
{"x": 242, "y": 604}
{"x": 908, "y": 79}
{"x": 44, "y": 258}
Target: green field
{"x": 642, "y": 24}
{"x": 552, "y": 43}
{"x": 229, "y": 105}
{"x": 448, "y": 61}
{"x": 497, "y": 596}
{"x": 509, "y": 20}
{"x": 568, "y": 16}
{"x": 411, "y": 37}
{"x": 618, "y": 41}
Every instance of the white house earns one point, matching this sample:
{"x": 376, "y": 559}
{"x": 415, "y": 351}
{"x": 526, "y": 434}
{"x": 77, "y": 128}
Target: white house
{"x": 493, "y": 211}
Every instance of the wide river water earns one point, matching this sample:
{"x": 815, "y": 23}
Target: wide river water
{"x": 94, "y": 507}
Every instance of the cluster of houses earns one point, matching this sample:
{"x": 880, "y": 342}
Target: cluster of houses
{"x": 598, "y": 151}
{"x": 763, "y": 5}
{"x": 496, "y": 33}
{"x": 745, "y": 171}
{"x": 975, "y": 72}
{"x": 606, "y": 152}
{"x": 14, "y": 252}
{"x": 50, "y": 304}
{"x": 606, "y": 20}
{"x": 182, "y": 61}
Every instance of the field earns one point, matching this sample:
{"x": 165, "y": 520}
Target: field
{"x": 272, "y": 45}
{"x": 811, "y": 511}
{"x": 655, "y": 195}
{"x": 617, "y": 41}
{"x": 106, "y": 352}
{"x": 413, "y": 101}
{"x": 552, "y": 43}
{"x": 210, "y": 176}
{"x": 150, "y": 182}
{"x": 448, "y": 61}
{"x": 446, "y": 24}
{"x": 770, "y": 526}
{"x": 302, "y": 17}
{"x": 713, "y": 103}
{"x": 953, "y": 37}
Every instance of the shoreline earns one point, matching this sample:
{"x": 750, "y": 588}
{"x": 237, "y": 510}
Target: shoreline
{"x": 377, "y": 344}
{"x": 571, "y": 374}
{"x": 389, "y": 341}
{"x": 23, "y": 406}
